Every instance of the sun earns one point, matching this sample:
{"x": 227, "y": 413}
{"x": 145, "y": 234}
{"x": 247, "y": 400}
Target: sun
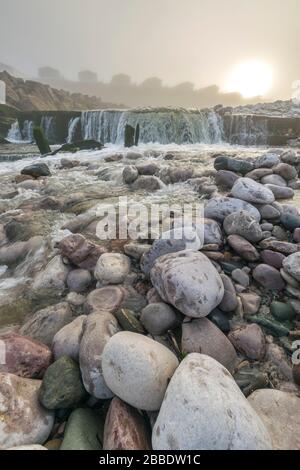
{"x": 251, "y": 78}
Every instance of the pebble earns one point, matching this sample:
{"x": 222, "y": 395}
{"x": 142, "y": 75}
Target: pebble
{"x": 112, "y": 268}
{"x": 24, "y": 357}
{"x": 67, "y": 340}
{"x": 78, "y": 280}
{"x": 243, "y": 248}
{"x": 23, "y": 420}
{"x": 140, "y": 383}
{"x": 218, "y": 208}
{"x": 44, "y": 324}
{"x": 244, "y": 224}
{"x": 84, "y": 430}
{"x": 272, "y": 258}
{"x": 280, "y": 192}
{"x": 249, "y": 340}
{"x": 250, "y": 191}
{"x": 291, "y": 265}
{"x": 202, "y": 336}
{"x": 229, "y": 301}
{"x": 188, "y": 281}
{"x": 250, "y": 302}
{"x": 158, "y": 318}
{"x": 62, "y": 386}
{"x": 97, "y": 330}
{"x": 239, "y": 276}
{"x": 81, "y": 252}
{"x": 280, "y": 413}
{"x": 268, "y": 277}
{"x": 125, "y": 428}
{"x": 107, "y": 298}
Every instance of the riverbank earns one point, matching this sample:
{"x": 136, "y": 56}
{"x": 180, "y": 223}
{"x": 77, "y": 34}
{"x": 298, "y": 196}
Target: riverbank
{"x": 105, "y": 340}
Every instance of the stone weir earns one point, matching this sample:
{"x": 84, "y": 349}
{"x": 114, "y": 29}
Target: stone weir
{"x": 260, "y": 129}
{"x": 162, "y": 125}
{"x": 56, "y": 124}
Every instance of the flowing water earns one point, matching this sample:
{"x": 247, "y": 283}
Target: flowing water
{"x": 160, "y": 125}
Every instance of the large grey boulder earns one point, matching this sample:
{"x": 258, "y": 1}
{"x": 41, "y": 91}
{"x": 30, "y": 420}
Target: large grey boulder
{"x": 218, "y": 208}
{"x": 204, "y": 409}
{"x": 188, "y": 281}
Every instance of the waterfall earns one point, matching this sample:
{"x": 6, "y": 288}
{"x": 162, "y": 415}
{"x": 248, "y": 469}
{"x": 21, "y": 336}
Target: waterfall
{"x": 73, "y": 128}
{"x": 156, "y": 125}
{"x": 48, "y": 126}
{"x": 18, "y": 135}
{"x": 247, "y": 129}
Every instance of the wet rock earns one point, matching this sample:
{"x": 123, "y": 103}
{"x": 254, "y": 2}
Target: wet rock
{"x": 225, "y": 178}
{"x": 171, "y": 242}
{"x": 189, "y": 282}
{"x": 148, "y": 183}
{"x": 133, "y": 155}
{"x": 280, "y": 413}
{"x": 202, "y": 336}
{"x": 274, "y": 327}
{"x": 44, "y": 324}
{"x": 136, "y": 250}
{"x": 249, "y": 340}
{"x": 231, "y": 164}
{"x": 286, "y": 171}
{"x": 24, "y": 357}
{"x": 218, "y": 208}
{"x": 81, "y": 252}
{"x": 212, "y": 232}
{"x": 290, "y": 221}
{"x": 53, "y": 277}
{"x": 173, "y": 175}
{"x": 269, "y": 212}
{"x": 282, "y": 311}
{"x": 130, "y": 174}
{"x": 62, "y": 386}
{"x": 198, "y": 423}
{"x": 259, "y": 173}
{"x": 158, "y": 318}
{"x": 150, "y": 168}
{"x": 290, "y": 157}
{"x": 229, "y": 301}
{"x": 112, "y": 268}
{"x": 128, "y": 321}
{"x": 220, "y": 319}
{"x": 250, "y": 379}
{"x": 280, "y": 192}
{"x": 268, "y": 277}
{"x": 274, "y": 179}
{"x": 250, "y": 191}
{"x": 36, "y": 170}
{"x": 16, "y": 252}
{"x": 141, "y": 383}
{"x": 78, "y": 280}
{"x": 67, "y": 340}
{"x": 291, "y": 265}
{"x": 84, "y": 430}
{"x": 107, "y": 298}
{"x": 243, "y": 248}
{"x": 98, "y": 328}
{"x": 125, "y": 428}
{"x": 244, "y": 224}
{"x": 268, "y": 160}
{"x": 23, "y": 420}
{"x": 239, "y": 276}
{"x": 272, "y": 258}
{"x": 283, "y": 247}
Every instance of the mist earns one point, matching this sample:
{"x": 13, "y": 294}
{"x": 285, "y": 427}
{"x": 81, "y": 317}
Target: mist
{"x": 197, "y": 41}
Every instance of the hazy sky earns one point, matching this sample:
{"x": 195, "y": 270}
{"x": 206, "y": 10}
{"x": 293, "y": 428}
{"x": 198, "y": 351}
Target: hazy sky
{"x": 177, "y": 40}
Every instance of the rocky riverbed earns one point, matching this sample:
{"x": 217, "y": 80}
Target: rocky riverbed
{"x": 150, "y": 344}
